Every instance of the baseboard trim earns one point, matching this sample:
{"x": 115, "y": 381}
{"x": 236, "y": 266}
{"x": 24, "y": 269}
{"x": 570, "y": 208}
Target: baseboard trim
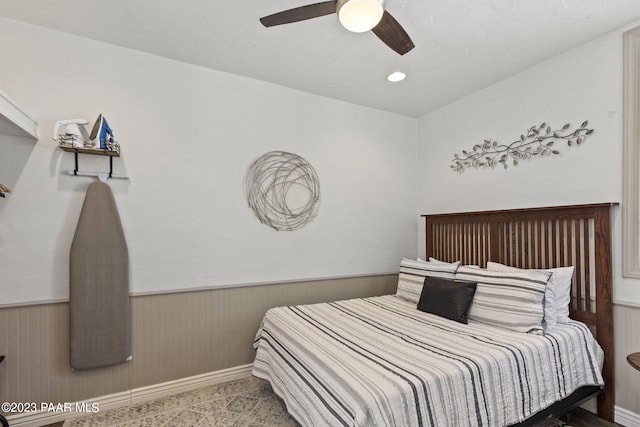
{"x": 157, "y": 391}
{"x": 129, "y": 397}
{"x": 626, "y": 417}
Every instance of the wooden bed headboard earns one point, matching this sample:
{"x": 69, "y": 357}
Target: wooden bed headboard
{"x": 560, "y": 236}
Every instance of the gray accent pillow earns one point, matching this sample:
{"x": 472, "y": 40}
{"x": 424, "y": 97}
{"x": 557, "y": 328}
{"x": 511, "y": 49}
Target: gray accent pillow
{"x": 447, "y": 298}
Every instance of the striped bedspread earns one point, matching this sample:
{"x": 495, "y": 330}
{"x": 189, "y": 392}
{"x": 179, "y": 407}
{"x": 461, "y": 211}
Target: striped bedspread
{"x": 380, "y": 362}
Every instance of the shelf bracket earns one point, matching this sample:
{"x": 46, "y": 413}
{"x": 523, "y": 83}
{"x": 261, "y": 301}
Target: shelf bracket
{"x": 79, "y": 150}
{"x": 77, "y": 172}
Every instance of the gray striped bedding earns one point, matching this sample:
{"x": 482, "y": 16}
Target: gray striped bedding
{"x": 380, "y": 362}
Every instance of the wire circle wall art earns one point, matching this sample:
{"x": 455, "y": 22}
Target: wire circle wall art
{"x": 282, "y": 190}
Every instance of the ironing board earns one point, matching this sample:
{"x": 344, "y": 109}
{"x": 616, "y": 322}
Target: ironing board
{"x": 99, "y": 284}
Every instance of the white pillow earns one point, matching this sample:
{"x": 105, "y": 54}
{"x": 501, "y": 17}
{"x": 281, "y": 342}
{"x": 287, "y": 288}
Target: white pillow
{"x": 507, "y": 299}
{"x": 563, "y": 292}
{"x": 413, "y": 272}
{"x": 558, "y": 295}
{"x": 437, "y": 261}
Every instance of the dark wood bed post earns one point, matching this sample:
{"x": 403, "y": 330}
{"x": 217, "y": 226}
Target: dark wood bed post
{"x": 537, "y": 238}
{"x": 604, "y": 308}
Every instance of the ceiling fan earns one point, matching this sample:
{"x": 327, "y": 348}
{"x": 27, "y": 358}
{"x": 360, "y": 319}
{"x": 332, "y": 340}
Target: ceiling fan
{"x": 355, "y": 15}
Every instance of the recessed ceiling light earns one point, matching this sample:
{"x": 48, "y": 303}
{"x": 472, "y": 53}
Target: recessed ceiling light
{"x": 396, "y": 76}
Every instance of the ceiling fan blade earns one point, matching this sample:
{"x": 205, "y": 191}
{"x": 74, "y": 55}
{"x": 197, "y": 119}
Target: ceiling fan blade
{"x": 392, "y": 34}
{"x": 300, "y": 13}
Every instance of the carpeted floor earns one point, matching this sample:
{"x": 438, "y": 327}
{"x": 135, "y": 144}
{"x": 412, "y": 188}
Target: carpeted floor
{"x": 246, "y": 402}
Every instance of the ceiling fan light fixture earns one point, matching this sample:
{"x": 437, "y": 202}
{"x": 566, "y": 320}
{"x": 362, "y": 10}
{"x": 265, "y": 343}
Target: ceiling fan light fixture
{"x": 359, "y": 16}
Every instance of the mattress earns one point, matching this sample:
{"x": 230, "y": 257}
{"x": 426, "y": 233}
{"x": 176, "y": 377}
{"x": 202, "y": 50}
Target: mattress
{"x": 379, "y": 362}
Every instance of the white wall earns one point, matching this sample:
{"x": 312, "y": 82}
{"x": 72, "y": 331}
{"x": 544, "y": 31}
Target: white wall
{"x": 188, "y": 135}
{"x": 582, "y": 84}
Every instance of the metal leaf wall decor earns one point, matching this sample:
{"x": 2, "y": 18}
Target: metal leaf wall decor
{"x": 537, "y": 141}
{"x": 269, "y": 183}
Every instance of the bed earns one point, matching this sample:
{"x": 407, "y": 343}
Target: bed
{"x": 380, "y": 361}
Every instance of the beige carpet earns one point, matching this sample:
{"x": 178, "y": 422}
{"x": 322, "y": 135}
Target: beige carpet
{"x": 246, "y": 402}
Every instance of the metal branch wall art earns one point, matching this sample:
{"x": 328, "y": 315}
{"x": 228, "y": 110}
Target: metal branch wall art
{"x": 283, "y": 190}
{"x": 538, "y": 141}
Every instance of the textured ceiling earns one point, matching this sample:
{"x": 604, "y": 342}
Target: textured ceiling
{"x": 461, "y": 45}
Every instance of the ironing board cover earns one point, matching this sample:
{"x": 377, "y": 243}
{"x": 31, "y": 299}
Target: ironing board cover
{"x": 99, "y": 284}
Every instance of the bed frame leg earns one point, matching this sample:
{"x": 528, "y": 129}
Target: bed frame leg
{"x": 605, "y": 406}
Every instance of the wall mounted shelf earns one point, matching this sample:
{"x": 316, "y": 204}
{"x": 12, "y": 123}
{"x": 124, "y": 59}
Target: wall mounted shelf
{"x": 94, "y": 151}
{"x": 14, "y": 121}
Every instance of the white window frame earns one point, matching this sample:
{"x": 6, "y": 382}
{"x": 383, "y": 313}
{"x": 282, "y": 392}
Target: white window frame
{"x": 631, "y": 166}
